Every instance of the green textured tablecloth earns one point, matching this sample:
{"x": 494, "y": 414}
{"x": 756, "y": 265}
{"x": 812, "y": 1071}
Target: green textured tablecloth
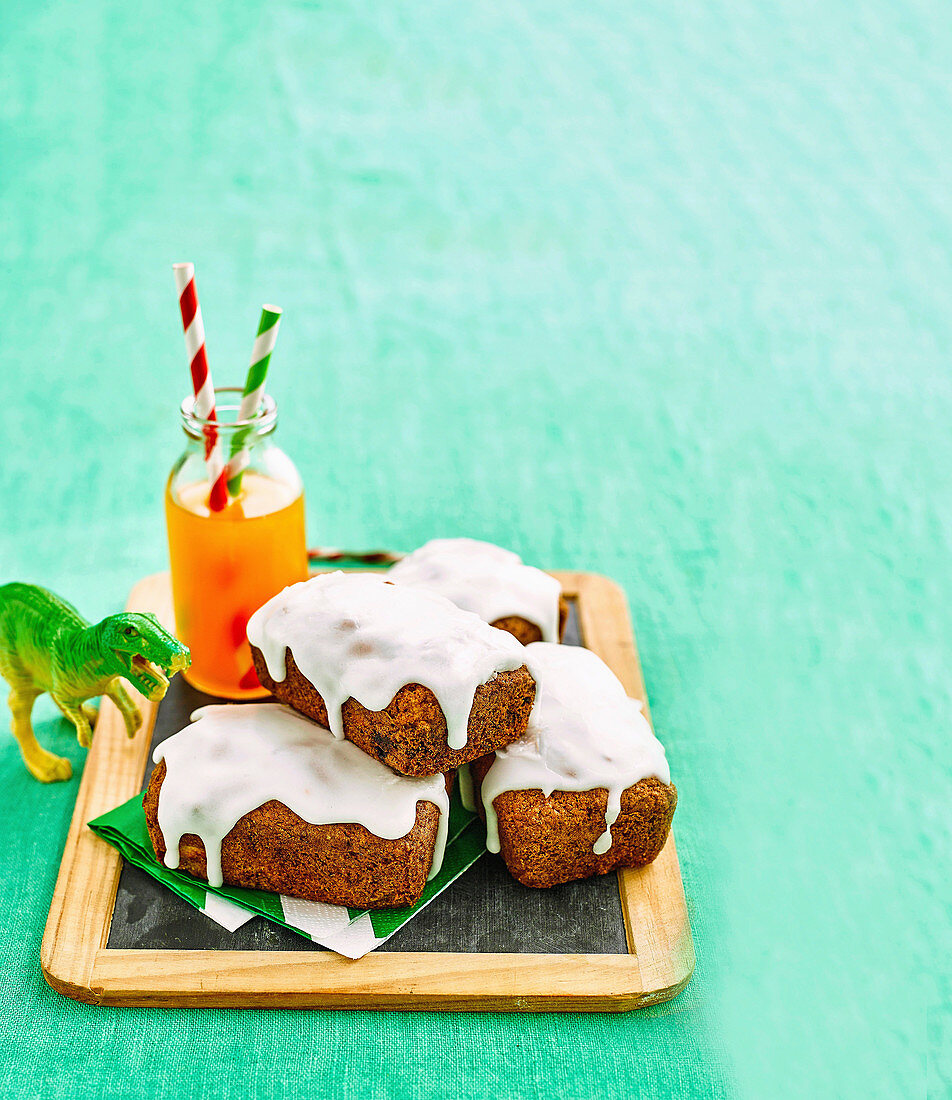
{"x": 660, "y": 291}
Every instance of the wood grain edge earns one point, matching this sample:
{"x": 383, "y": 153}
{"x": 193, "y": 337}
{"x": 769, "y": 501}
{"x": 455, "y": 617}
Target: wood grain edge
{"x": 78, "y": 921}
{"x": 404, "y": 980}
{"x": 654, "y": 907}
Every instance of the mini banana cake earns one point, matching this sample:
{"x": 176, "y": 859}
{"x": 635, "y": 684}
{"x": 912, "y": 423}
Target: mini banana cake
{"x": 258, "y": 796}
{"x": 493, "y": 583}
{"x": 406, "y": 675}
{"x": 588, "y": 788}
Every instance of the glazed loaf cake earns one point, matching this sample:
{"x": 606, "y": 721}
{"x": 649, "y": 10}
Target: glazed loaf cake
{"x": 493, "y": 583}
{"x": 545, "y": 841}
{"x": 257, "y": 796}
{"x": 587, "y": 789}
{"x": 408, "y": 677}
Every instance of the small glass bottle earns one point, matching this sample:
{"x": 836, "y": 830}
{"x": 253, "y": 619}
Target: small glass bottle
{"x": 226, "y": 564}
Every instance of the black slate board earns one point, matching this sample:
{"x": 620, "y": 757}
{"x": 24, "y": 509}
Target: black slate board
{"x": 483, "y": 911}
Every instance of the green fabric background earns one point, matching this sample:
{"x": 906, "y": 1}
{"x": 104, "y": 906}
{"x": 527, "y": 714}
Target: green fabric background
{"x": 652, "y": 289}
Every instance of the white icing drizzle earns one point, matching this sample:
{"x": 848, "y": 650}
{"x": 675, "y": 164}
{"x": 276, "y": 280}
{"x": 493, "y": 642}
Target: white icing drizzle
{"x": 485, "y": 579}
{"x": 233, "y": 759}
{"x": 584, "y": 733}
{"x": 353, "y": 635}
{"x": 464, "y": 779}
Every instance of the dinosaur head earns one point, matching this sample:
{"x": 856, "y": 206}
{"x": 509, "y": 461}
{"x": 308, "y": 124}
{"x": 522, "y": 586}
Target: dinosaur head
{"x": 147, "y": 654}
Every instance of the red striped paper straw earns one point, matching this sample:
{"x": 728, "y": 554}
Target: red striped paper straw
{"x": 204, "y": 406}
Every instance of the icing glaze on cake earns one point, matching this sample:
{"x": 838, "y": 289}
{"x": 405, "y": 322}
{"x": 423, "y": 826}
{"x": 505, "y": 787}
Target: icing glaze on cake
{"x": 233, "y": 759}
{"x": 353, "y": 635}
{"x": 464, "y": 784}
{"x": 584, "y": 733}
{"x": 485, "y": 579}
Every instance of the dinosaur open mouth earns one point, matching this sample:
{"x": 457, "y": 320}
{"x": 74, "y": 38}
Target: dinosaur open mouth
{"x": 150, "y": 671}
{"x": 147, "y": 676}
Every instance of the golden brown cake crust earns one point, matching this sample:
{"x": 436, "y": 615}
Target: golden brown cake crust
{"x": 409, "y": 735}
{"x": 527, "y": 633}
{"x": 547, "y": 841}
{"x": 273, "y": 849}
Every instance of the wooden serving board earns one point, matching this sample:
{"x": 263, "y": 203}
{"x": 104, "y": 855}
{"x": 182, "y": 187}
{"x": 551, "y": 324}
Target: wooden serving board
{"x": 77, "y": 958}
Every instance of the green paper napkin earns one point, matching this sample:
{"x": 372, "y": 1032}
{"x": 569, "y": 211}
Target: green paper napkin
{"x": 352, "y": 932}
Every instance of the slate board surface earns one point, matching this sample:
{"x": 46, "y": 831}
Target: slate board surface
{"x": 484, "y": 911}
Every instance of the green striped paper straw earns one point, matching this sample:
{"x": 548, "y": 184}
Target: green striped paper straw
{"x": 253, "y": 392}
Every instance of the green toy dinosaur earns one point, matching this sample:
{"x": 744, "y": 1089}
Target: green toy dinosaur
{"x": 46, "y": 645}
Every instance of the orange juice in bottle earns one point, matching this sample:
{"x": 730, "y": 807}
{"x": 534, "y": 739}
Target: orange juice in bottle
{"x": 226, "y": 564}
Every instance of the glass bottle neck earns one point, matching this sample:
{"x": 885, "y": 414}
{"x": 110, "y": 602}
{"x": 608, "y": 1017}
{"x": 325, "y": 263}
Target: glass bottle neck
{"x": 228, "y": 421}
